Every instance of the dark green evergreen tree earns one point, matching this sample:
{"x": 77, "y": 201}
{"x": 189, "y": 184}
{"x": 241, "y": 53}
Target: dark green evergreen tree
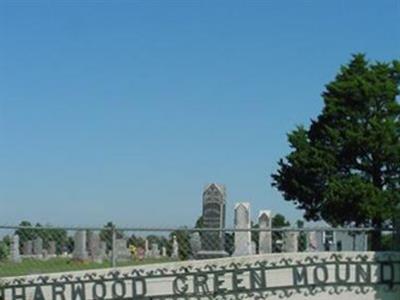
{"x": 345, "y": 168}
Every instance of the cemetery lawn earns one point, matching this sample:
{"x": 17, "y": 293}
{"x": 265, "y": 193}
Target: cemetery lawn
{"x": 54, "y": 265}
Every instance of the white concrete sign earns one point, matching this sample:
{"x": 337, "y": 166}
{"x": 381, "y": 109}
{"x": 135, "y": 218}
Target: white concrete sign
{"x": 339, "y": 275}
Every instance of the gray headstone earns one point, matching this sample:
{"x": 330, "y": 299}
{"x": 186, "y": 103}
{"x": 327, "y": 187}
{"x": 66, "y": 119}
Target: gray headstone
{"x": 95, "y": 253}
{"x": 14, "y": 249}
{"x": 27, "y": 248}
{"x": 45, "y": 254}
{"x": 175, "y": 248}
{"x": 80, "y": 251}
{"x": 155, "y": 251}
{"x": 265, "y": 237}
{"x": 214, "y": 202}
{"x": 52, "y": 248}
{"x": 290, "y": 242}
{"x": 195, "y": 243}
{"x": 242, "y": 221}
{"x": 122, "y": 252}
{"x": 38, "y": 246}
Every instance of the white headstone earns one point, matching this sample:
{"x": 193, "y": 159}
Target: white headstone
{"x": 175, "y": 248}
{"x": 164, "y": 251}
{"x": 242, "y": 221}
{"x": 265, "y": 237}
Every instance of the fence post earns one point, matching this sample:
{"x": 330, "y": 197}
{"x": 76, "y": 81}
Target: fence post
{"x": 396, "y": 229}
{"x": 1, "y": 290}
{"x": 113, "y": 254}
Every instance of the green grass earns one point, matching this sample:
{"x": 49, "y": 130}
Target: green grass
{"x": 35, "y": 266}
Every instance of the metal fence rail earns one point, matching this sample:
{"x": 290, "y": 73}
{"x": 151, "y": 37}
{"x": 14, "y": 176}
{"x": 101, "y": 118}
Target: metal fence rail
{"x": 41, "y": 249}
{"x": 170, "y": 229}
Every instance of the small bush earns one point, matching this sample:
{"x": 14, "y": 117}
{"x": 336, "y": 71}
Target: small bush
{"x": 3, "y": 250}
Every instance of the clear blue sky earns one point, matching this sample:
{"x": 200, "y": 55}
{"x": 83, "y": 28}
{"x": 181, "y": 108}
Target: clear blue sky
{"x": 123, "y": 111}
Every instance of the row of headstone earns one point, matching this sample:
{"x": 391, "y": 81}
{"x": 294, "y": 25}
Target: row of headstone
{"x": 34, "y": 249}
{"x": 202, "y": 246}
{"x": 150, "y": 251}
{"x": 93, "y": 248}
{"x": 336, "y": 241}
{"x": 243, "y": 242}
{"x": 156, "y": 252}
{"x": 316, "y": 241}
{"x": 243, "y": 245}
{"x": 211, "y": 244}
{"x": 31, "y": 249}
